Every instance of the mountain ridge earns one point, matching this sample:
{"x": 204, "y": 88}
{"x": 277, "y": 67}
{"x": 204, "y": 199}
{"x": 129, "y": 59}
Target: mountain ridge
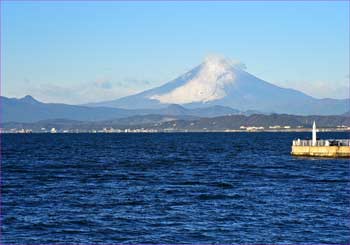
{"x": 28, "y": 109}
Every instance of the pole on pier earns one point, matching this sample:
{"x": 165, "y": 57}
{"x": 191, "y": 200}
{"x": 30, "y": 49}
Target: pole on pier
{"x": 314, "y": 134}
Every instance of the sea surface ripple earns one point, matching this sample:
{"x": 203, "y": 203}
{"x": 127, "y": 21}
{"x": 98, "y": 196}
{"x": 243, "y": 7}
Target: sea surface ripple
{"x": 171, "y": 188}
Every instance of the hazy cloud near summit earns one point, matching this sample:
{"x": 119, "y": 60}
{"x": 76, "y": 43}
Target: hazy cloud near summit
{"x": 233, "y": 62}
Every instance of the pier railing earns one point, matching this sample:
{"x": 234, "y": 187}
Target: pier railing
{"x": 331, "y": 142}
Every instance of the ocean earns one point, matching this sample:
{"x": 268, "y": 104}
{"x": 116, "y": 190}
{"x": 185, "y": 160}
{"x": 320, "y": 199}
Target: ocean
{"x": 171, "y": 188}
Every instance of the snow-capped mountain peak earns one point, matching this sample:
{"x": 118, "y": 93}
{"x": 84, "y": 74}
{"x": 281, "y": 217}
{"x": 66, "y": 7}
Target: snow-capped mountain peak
{"x": 207, "y": 84}
{"x": 219, "y": 81}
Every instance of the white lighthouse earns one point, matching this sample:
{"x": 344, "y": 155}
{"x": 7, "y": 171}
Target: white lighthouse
{"x": 321, "y": 148}
{"x": 314, "y": 134}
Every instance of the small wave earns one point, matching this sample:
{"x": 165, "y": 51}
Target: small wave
{"x": 212, "y": 196}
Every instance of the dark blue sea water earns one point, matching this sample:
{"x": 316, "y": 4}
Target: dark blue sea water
{"x": 171, "y": 188}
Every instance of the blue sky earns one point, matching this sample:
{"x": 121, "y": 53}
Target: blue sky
{"x": 76, "y": 52}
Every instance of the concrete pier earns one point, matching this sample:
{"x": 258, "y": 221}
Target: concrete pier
{"x": 321, "y": 151}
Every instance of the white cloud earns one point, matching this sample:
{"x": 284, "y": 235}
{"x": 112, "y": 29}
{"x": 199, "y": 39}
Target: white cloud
{"x": 100, "y": 89}
{"x": 323, "y": 89}
{"x": 103, "y": 83}
{"x": 216, "y": 58}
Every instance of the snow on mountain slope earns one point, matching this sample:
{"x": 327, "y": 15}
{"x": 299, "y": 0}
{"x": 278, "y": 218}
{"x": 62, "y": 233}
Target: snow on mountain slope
{"x": 209, "y": 84}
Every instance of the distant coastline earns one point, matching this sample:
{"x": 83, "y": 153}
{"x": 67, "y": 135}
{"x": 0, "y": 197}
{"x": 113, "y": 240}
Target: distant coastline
{"x": 182, "y": 123}
{"x": 135, "y": 131}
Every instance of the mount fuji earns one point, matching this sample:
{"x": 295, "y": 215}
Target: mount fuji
{"x": 220, "y": 82}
